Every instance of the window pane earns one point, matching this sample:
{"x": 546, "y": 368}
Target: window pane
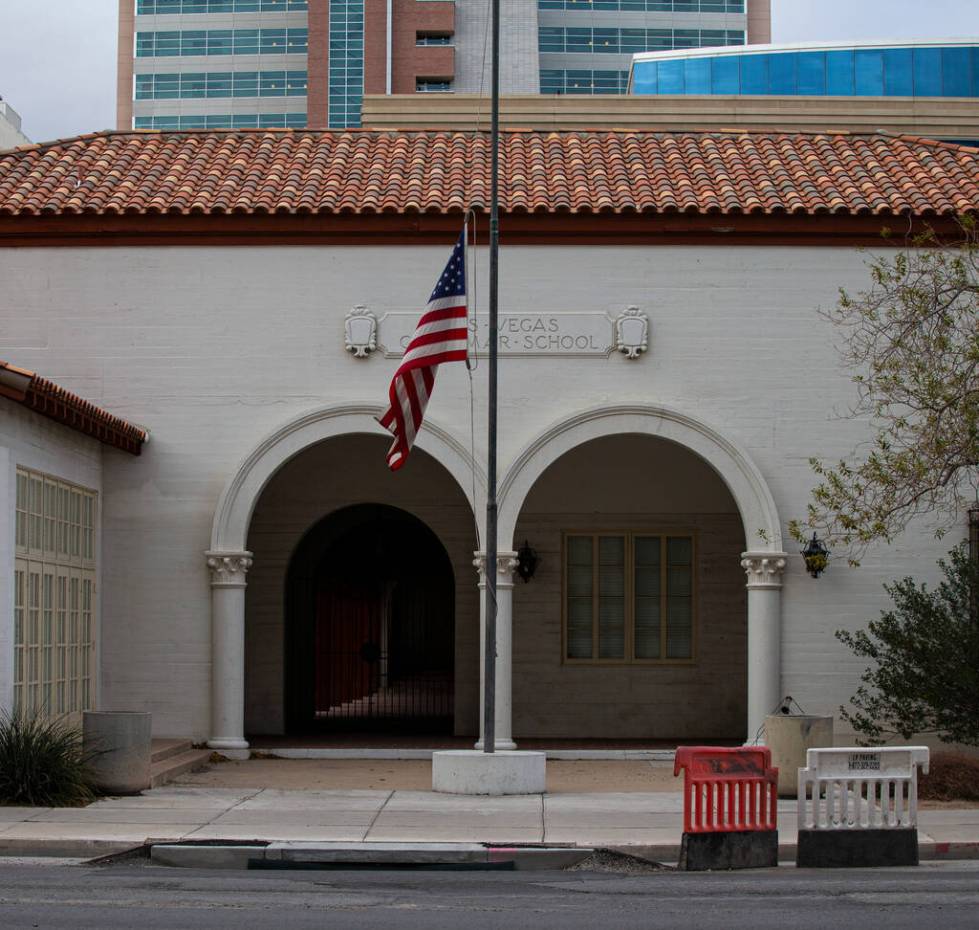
{"x": 579, "y": 575}
{"x": 611, "y": 597}
{"x": 670, "y": 75}
{"x": 579, "y": 628}
{"x": 955, "y": 72}
{"x": 679, "y": 550}
{"x": 812, "y": 73}
{"x": 696, "y": 76}
{"x": 897, "y": 72}
{"x": 643, "y": 77}
{"x": 839, "y": 74}
{"x": 647, "y": 594}
{"x": 869, "y": 67}
{"x": 679, "y": 629}
{"x": 927, "y": 71}
{"x": 754, "y": 74}
{"x": 726, "y": 75}
{"x": 781, "y": 74}
{"x": 679, "y": 598}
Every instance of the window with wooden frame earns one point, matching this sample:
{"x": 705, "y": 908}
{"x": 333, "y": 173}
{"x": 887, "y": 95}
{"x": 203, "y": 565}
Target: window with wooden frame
{"x": 54, "y": 595}
{"x": 629, "y": 597}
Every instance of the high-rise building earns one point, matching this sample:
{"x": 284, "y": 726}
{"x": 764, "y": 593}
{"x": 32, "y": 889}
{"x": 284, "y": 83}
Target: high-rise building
{"x": 188, "y": 64}
{"x": 10, "y": 134}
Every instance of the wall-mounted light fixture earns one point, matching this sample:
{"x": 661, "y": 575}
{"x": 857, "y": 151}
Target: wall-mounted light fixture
{"x": 816, "y": 556}
{"x": 527, "y": 561}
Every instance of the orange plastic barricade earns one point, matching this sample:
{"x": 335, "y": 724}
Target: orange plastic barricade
{"x": 727, "y": 789}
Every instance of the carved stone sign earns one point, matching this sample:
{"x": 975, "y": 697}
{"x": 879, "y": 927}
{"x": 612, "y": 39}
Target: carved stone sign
{"x": 533, "y": 334}
{"x": 520, "y": 333}
{"x": 571, "y": 334}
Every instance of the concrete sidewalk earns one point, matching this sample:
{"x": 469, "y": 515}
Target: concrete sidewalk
{"x": 646, "y": 823}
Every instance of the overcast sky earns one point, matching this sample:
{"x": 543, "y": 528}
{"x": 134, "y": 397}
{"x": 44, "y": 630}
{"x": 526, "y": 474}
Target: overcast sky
{"x": 58, "y": 57}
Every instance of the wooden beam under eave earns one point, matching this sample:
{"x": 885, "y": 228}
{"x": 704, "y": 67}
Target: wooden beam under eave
{"x": 415, "y": 229}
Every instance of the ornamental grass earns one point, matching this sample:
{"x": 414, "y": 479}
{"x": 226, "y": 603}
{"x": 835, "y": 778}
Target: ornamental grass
{"x": 42, "y": 763}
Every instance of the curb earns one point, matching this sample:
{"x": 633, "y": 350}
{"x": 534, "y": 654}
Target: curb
{"x": 390, "y": 755}
{"x": 938, "y": 852}
{"x": 366, "y": 855}
{"x": 219, "y": 854}
{"x": 65, "y": 848}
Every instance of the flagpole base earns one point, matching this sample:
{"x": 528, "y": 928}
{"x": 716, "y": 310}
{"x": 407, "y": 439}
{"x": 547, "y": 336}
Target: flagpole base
{"x": 467, "y": 771}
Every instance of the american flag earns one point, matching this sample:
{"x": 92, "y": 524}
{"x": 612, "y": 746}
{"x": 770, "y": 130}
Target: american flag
{"x": 441, "y": 336}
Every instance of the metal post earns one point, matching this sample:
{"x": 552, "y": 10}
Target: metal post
{"x": 489, "y": 672}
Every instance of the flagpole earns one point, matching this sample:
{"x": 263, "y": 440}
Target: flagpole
{"x": 489, "y": 671}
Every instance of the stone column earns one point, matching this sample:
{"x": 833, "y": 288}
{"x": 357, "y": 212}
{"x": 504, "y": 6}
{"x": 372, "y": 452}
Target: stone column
{"x": 764, "y": 571}
{"x": 228, "y": 570}
{"x": 506, "y": 562}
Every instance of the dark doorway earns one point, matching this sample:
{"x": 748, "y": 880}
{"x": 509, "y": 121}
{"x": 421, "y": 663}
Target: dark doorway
{"x": 370, "y": 626}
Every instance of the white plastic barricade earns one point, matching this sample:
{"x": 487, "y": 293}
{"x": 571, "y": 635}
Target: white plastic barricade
{"x": 861, "y": 788}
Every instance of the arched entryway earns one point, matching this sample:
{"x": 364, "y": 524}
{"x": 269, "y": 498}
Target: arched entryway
{"x": 763, "y": 563}
{"x": 634, "y": 625}
{"x": 370, "y": 626}
{"x": 312, "y": 466}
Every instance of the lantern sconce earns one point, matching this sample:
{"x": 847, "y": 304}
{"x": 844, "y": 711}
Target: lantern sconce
{"x": 816, "y": 556}
{"x": 527, "y": 562}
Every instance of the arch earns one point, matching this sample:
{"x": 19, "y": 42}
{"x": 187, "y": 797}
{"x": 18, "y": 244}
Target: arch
{"x": 393, "y": 590}
{"x": 763, "y": 531}
{"x": 229, "y": 532}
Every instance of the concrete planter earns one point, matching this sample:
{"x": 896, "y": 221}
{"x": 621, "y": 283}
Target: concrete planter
{"x": 119, "y": 747}
{"x": 788, "y": 736}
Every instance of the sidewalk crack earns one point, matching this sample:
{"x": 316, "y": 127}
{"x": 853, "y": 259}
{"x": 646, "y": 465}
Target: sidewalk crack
{"x": 227, "y": 810}
{"x": 377, "y": 814}
{"x": 237, "y": 803}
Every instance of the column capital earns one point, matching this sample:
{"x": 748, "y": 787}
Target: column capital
{"x": 228, "y": 569}
{"x": 764, "y": 569}
{"x": 506, "y": 564}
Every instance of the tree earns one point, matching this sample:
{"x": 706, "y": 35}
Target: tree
{"x": 925, "y": 677}
{"x": 913, "y": 343}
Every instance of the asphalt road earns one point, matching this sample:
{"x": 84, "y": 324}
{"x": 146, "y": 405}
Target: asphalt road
{"x": 148, "y": 897}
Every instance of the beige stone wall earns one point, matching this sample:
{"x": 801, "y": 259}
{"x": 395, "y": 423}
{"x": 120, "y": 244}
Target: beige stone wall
{"x": 323, "y": 479}
{"x": 933, "y": 117}
{"x": 632, "y": 483}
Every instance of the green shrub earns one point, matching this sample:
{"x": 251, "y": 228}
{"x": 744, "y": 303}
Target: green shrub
{"x": 42, "y": 763}
{"x": 925, "y": 654}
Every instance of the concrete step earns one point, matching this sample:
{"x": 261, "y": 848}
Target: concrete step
{"x": 192, "y": 760}
{"x": 166, "y": 748}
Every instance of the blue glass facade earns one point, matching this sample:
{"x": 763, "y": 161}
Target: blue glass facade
{"x": 346, "y": 81}
{"x": 643, "y": 6}
{"x": 583, "y": 81}
{"x": 221, "y": 84}
{"x": 931, "y": 71}
{"x": 613, "y": 41}
{"x": 224, "y": 121}
{"x": 222, "y": 42}
{"x": 158, "y": 7}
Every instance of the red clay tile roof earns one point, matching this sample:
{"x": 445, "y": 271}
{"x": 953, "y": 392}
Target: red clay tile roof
{"x": 45, "y": 397}
{"x": 306, "y": 172}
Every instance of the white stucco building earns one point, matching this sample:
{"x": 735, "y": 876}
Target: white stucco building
{"x": 257, "y": 570}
